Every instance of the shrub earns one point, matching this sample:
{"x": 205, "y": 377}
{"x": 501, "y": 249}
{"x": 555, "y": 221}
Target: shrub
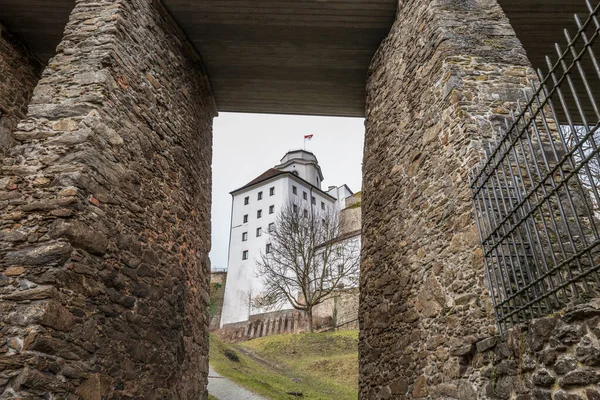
{"x": 232, "y": 355}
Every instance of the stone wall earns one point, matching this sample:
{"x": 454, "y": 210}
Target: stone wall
{"x": 19, "y": 73}
{"x": 339, "y": 310}
{"x": 350, "y": 217}
{"x": 273, "y": 323}
{"x": 217, "y": 293}
{"x": 342, "y": 307}
{"x": 557, "y": 357}
{"x": 105, "y": 216}
{"x": 438, "y": 87}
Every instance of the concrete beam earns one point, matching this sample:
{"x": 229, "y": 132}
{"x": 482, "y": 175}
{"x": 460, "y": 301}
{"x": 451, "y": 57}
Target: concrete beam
{"x": 300, "y": 57}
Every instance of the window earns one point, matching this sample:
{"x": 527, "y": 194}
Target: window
{"x": 313, "y": 200}
{"x": 268, "y": 249}
{"x": 271, "y": 209}
{"x": 295, "y": 190}
{"x": 271, "y": 227}
{"x": 246, "y": 200}
{"x": 259, "y": 195}
{"x": 304, "y": 196}
{"x": 245, "y": 255}
{"x": 322, "y": 205}
{"x": 246, "y": 218}
{"x": 295, "y": 208}
{"x": 244, "y": 236}
{"x": 305, "y": 213}
{"x": 272, "y": 191}
{"x": 259, "y": 214}
{"x": 258, "y": 232}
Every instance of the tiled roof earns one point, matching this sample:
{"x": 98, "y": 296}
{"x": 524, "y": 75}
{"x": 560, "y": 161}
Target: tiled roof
{"x": 271, "y": 172}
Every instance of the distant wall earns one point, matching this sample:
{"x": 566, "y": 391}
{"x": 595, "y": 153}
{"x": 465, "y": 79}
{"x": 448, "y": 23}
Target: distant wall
{"x": 350, "y": 220}
{"x": 341, "y": 307}
{"x": 272, "y": 323}
{"x": 19, "y": 73}
{"x": 339, "y": 310}
{"x": 217, "y": 293}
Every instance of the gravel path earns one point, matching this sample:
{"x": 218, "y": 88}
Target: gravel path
{"x": 224, "y": 389}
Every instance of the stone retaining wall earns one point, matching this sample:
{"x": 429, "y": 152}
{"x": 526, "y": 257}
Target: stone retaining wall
{"x": 105, "y": 216}
{"x": 342, "y": 307}
{"x": 217, "y": 293}
{"x": 272, "y": 323}
{"x": 19, "y": 73}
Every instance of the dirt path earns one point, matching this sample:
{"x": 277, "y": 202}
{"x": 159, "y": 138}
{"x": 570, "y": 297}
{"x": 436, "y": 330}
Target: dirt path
{"x": 224, "y": 389}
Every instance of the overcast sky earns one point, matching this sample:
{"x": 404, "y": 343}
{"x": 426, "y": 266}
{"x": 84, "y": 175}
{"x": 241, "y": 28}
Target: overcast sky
{"x": 246, "y": 145}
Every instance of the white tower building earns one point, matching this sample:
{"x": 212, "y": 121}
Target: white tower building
{"x": 255, "y": 205}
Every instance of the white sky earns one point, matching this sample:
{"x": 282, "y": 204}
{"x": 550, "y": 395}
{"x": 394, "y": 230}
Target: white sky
{"x": 246, "y": 145}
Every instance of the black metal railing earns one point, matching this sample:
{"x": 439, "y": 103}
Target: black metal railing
{"x": 536, "y": 193}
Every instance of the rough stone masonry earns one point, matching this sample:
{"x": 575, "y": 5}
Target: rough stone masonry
{"x": 439, "y": 87}
{"x": 19, "y": 73}
{"x": 105, "y": 214}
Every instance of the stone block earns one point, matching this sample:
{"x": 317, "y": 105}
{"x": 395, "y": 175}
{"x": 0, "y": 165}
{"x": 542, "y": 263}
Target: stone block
{"x": 579, "y": 377}
{"x": 543, "y": 378}
{"x": 94, "y": 388}
{"x": 53, "y": 253}
{"x": 486, "y": 344}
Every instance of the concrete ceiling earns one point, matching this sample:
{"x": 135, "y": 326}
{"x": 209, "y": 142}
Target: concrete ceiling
{"x": 539, "y": 24}
{"x": 287, "y": 56}
{"x": 38, "y": 23}
{"x": 290, "y": 56}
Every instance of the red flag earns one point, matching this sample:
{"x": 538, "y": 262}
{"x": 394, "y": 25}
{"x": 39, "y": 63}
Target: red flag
{"x": 308, "y": 137}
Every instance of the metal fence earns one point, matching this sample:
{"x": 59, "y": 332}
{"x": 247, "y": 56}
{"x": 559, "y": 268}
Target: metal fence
{"x": 536, "y": 192}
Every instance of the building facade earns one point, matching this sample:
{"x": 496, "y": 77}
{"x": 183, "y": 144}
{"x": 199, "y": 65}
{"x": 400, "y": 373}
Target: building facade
{"x": 297, "y": 178}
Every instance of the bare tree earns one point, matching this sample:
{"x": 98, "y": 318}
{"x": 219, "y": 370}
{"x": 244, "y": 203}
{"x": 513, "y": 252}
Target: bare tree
{"x": 586, "y": 153}
{"x": 306, "y": 259}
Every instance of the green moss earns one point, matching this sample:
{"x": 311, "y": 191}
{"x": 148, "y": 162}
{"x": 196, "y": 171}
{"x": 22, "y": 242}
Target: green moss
{"x": 358, "y": 204}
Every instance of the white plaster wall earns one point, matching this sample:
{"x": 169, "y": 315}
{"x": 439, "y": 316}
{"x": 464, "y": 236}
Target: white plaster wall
{"x": 242, "y": 279}
{"x": 308, "y": 172}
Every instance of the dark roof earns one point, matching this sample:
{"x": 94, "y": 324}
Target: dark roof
{"x": 272, "y": 172}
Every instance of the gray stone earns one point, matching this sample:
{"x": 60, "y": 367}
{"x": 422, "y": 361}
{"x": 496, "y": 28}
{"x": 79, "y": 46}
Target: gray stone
{"x": 562, "y": 395}
{"x": 564, "y": 365}
{"x": 466, "y": 391}
{"x": 543, "y": 378}
{"x": 487, "y": 344}
{"x": 580, "y": 377}
{"x": 592, "y": 394}
{"x": 570, "y": 334}
{"x": 48, "y": 254}
{"x": 82, "y": 236}
{"x": 588, "y": 352}
{"x": 541, "y": 330}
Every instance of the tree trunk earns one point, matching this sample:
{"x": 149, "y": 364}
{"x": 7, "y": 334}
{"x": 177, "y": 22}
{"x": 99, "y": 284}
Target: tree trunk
{"x": 310, "y": 320}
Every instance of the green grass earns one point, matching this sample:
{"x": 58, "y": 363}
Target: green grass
{"x": 211, "y": 397}
{"x": 326, "y": 362}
